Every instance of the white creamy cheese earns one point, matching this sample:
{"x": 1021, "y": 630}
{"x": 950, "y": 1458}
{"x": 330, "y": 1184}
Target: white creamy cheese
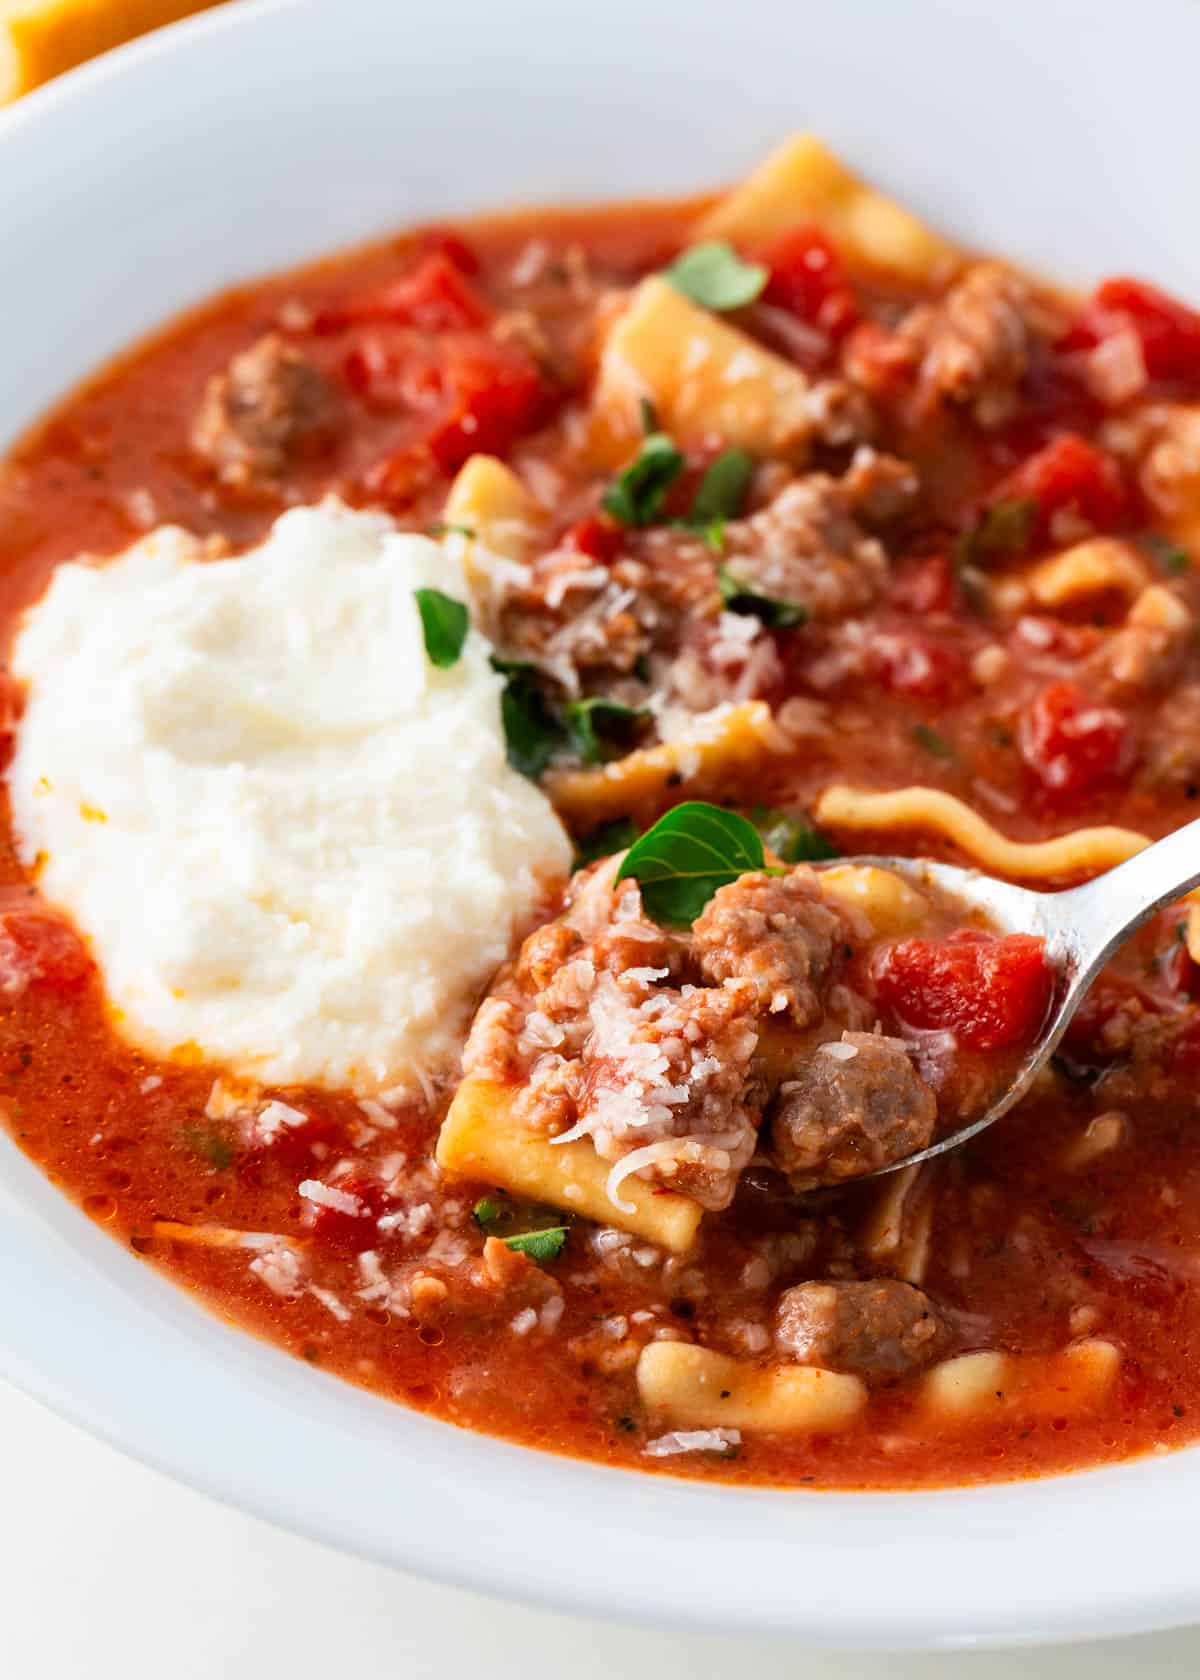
{"x": 292, "y": 843}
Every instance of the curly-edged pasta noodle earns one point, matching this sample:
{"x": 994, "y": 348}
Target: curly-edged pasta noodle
{"x": 803, "y": 181}
{"x": 883, "y": 897}
{"x": 481, "y": 1139}
{"x": 488, "y": 501}
{"x": 695, "y": 1388}
{"x": 704, "y": 378}
{"x": 1101, "y": 566}
{"x": 897, "y": 1233}
{"x": 976, "y": 1388}
{"x": 1082, "y": 851}
{"x": 728, "y": 741}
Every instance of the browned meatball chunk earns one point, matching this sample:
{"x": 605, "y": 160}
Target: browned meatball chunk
{"x": 852, "y": 1108}
{"x": 780, "y": 933}
{"x": 268, "y": 405}
{"x": 974, "y": 344}
{"x": 806, "y": 547}
{"x": 881, "y": 1329}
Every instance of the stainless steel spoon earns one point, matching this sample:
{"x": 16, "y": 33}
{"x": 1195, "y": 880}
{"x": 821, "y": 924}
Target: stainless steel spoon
{"x": 1082, "y": 927}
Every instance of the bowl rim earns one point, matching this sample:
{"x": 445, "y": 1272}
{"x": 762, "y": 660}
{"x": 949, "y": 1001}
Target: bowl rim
{"x": 138, "y": 1325}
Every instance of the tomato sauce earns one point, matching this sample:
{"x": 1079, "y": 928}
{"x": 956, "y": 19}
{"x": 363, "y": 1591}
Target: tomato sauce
{"x": 1034, "y": 1241}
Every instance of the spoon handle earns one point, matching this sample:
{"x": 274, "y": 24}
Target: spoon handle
{"x": 1092, "y": 920}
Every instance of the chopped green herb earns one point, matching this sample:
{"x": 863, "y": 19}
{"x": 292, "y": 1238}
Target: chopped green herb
{"x": 1003, "y": 528}
{"x": 539, "y": 1245}
{"x": 934, "y": 744}
{"x": 602, "y": 842}
{"x": 210, "y": 1146}
{"x": 649, "y": 416}
{"x": 597, "y": 723}
{"x": 722, "y": 489}
{"x": 741, "y": 597}
{"x": 445, "y": 622}
{"x": 486, "y": 1211}
{"x": 791, "y": 838}
{"x": 637, "y": 496}
{"x": 533, "y": 730}
{"x": 714, "y": 535}
{"x": 680, "y": 862}
{"x": 714, "y": 276}
{"x": 444, "y": 528}
{"x": 1165, "y": 553}
{"x": 626, "y": 1424}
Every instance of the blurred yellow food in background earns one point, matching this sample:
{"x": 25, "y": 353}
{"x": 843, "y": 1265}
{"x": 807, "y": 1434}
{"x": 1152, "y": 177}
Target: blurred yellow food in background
{"x": 42, "y": 38}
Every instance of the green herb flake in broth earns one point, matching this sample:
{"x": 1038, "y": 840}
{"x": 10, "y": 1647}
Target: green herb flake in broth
{"x": 637, "y": 496}
{"x": 934, "y": 744}
{"x": 741, "y": 597}
{"x": 598, "y": 724}
{"x": 714, "y": 276}
{"x": 539, "y": 1245}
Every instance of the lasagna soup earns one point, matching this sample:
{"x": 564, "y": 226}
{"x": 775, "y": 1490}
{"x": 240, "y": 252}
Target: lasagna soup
{"x": 454, "y": 695}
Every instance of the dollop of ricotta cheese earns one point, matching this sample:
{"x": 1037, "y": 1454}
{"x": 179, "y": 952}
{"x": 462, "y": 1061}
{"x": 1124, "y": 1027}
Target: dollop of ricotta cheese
{"x": 293, "y": 844}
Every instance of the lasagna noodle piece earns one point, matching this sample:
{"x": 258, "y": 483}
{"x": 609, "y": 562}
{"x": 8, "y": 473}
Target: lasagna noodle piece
{"x": 729, "y": 740}
{"x": 1100, "y": 566}
{"x": 803, "y": 181}
{"x": 703, "y": 376}
{"x": 1082, "y": 851}
{"x": 488, "y": 500}
{"x": 40, "y": 39}
{"x": 480, "y": 1139}
{"x": 974, "y": 1388}
{"x": 695, "y": 1388}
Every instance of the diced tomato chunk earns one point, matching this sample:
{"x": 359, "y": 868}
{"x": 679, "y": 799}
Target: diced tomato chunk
{"x": 434, "y": 298}
{"x": 1069, "y": 473}
{"x": 991, "y": 993}
{"x": 37, "y": 947}
{"x": 594, "y": 535}
{"x": 1070, "y": 743}
{"x": 808, "y": 280}
{"x": 908, "y": 662}
{"x": 1168, "y": 330}
{"x": 495, "y": 393}
{"x": 447, "y": 243}
{"x": 341, "y": 1228}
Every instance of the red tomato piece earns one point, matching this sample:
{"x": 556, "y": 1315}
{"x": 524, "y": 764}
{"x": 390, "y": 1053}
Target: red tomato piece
{"x": 341, "y": 1228}
{"x": 1071, "y": 744}
{"x": 908, "y": 662}
{"x": 594, "y": 535}
{"x": 808, "y": 280}
{"x": 1168, "y": 330}
{"x": 447, "y": 243}
{"x": 1069, "y": 473}
{"x": 494, "y": 392}
{"x": 37, "y": 947}
{"x": 990, "y": 993}
{"x": 435, "y": 298}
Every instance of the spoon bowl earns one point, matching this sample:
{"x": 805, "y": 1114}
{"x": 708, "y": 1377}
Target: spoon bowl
{"x": 1081, "y": 926}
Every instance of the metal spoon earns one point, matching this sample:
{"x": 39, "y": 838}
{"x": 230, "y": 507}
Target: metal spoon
{"x": 1082, "y": 927}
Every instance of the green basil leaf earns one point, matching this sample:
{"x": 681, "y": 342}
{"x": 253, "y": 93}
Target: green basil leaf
{"x": 1171, "y": 556}
{"x": 722, "y": 489}
{"x": 649, "y": 416}
{"x": 602, "y": 842}
{"x": 790, "y": 837}
{"x": 486, "y": 1211}
{"x": 636, "y": 498}
{"x": 1003, "y": 528}
{"x": 533, "y": 731}
{"x": 597, "y": 723}
{"x": 445, "y": 622}
{"x": 934, "y": 744}
{"x": 741, "y": 597}
{"x": 714, "y": 276}
{"x": 539, "y": 1245}
{"x": 208, "y": 1143}
{"x": 687, "y": 855}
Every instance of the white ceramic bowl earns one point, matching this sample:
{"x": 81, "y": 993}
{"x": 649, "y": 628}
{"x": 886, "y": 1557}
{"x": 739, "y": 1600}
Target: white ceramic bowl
{"x": 1057, "y": 130}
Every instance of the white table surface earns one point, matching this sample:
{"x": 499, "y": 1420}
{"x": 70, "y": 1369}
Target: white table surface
{"x": 108, "y": 1570}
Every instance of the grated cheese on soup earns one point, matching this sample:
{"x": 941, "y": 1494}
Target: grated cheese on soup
{"x": 291, "y": 841}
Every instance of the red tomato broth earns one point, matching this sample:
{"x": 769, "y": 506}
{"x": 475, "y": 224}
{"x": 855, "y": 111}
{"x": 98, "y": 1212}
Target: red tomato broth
{"x": 1020, "y": 1241}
